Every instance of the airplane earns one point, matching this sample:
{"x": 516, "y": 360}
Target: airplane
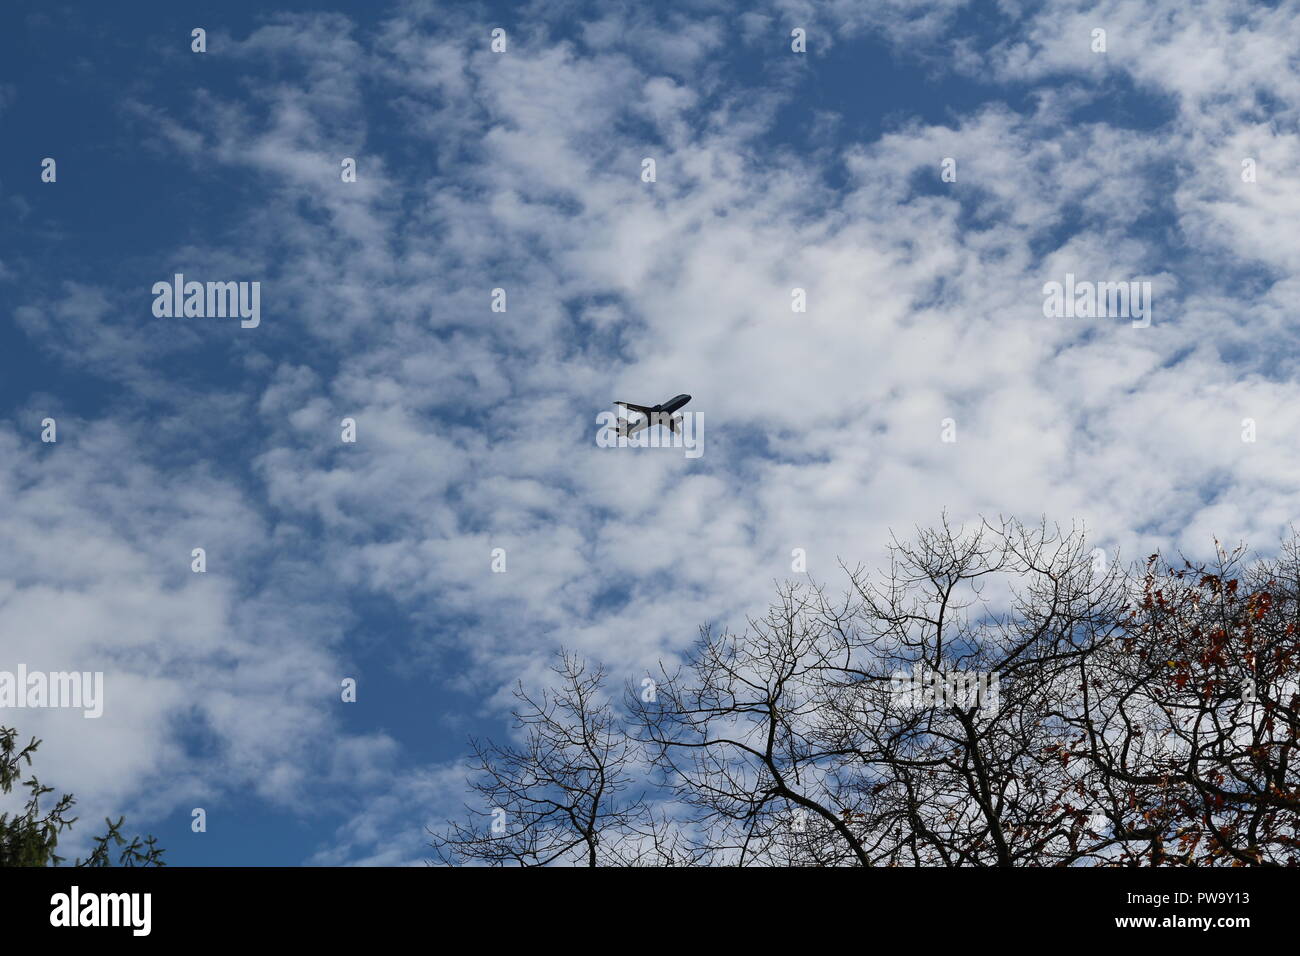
{"x": 661, "y": 414}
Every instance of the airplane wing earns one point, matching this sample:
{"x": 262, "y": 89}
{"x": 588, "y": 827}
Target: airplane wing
{"x": 643, "y": 409}
{"x": 627, "y": 429}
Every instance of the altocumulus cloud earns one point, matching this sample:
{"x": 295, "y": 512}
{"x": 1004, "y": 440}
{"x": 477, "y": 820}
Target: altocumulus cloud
{"x": 521, "y": 171}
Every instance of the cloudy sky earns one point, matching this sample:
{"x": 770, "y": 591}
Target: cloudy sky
{"x": 522, "y": 170}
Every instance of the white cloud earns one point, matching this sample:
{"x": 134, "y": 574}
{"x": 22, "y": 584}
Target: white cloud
{"x": 476, "y": 429}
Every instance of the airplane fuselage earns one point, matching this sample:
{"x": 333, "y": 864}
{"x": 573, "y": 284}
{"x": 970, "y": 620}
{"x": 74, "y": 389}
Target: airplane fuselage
{"x": 661, "y": 414}
{"x": 674, "y": 403}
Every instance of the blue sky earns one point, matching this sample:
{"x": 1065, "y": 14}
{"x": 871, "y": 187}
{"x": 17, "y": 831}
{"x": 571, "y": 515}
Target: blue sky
{"x": 476, "y": 429}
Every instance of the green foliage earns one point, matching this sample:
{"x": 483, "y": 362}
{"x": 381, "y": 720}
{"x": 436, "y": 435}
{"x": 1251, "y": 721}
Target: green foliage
{"x": 31, "y": 837}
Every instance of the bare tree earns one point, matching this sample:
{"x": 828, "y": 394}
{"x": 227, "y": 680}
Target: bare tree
{"x": 999, "y": 696}
{"x": 562, "y": 797}
{"x": 910, "y": 722}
